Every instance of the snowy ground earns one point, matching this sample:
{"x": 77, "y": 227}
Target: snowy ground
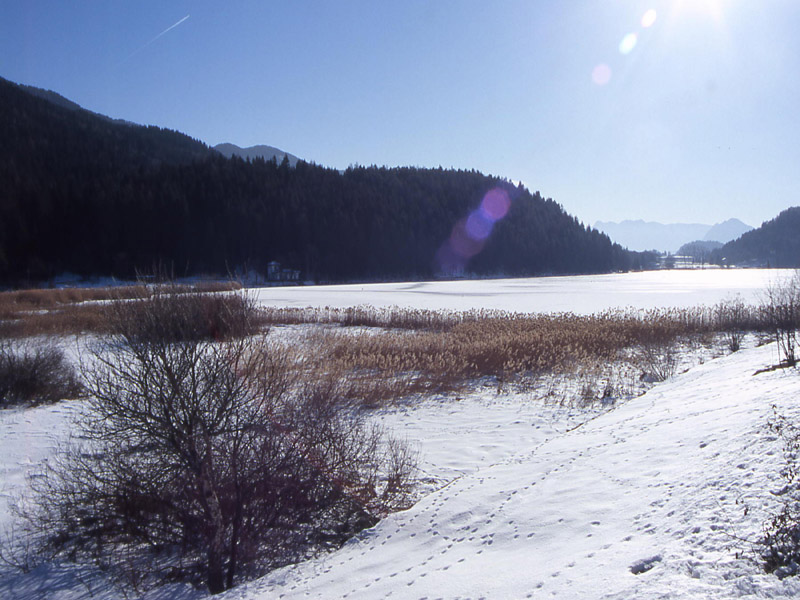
{"x": 583, "y": 294}
{"x": 526, "y": 498}
{"x": 537, "y": 505}
{"x": 539, "y": 509}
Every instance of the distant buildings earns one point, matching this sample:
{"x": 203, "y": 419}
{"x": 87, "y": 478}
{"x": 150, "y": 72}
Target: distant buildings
{"x": 276, "y": 274}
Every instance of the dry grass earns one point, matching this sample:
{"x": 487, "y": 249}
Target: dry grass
{"x": 379, "y": 355}
{"x": 425, "y": 351}
{"x": 368, "y": 316}
{"x": 68, "y": 311}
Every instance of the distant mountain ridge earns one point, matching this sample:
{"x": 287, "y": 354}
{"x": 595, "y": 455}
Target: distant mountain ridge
{"x": 727, "y": 231}
{"x": 260, "y": 151}
{"x": 640, "y": 235}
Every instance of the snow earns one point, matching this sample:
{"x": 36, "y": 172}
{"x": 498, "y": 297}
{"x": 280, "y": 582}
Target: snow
{"x": 653, "y": 487}
{"x": 523, "y": 497}
{"x": 580, "y": 294}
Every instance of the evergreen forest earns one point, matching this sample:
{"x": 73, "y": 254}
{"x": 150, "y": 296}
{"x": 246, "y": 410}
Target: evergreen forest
{"x": 84, "y": 194}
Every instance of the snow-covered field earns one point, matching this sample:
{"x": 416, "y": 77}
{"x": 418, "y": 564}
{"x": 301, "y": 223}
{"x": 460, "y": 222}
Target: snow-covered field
{"x": 580, "y": 294}
{"x": 529, "y": 499}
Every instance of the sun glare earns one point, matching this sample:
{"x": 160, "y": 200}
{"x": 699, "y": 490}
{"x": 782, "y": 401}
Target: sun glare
{"x": 703, "y": 8}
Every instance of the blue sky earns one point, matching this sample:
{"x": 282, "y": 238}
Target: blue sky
{"x": 697, "y": 121}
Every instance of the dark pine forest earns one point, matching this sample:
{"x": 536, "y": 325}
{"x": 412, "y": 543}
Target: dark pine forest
{"x": 85, "y": 194}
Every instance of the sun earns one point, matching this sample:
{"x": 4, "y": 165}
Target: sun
{"x": 713, "y": 9}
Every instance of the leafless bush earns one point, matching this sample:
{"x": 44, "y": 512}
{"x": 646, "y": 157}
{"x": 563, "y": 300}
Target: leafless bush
{"x": 174, "y": 314}
{"x": 733, "y": 319}
{"x": 208, "y": 461}
{"x": 781, "y": 310}
{"x": 659, "y": 361}
{"x": 779, "y": 546}
{"x": 35, "y": 373}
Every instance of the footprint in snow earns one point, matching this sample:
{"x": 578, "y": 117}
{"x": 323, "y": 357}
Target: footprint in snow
{"x": 644, "y": 565}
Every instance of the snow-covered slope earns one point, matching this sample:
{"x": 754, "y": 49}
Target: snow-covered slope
{"x": 656, "y": 487}
{"x": 531, "y": 500}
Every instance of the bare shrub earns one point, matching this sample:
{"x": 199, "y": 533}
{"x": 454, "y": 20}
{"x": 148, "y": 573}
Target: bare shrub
{"x": 208, "y": 461}
{"x": 780, "y": 544}
{"x": 659, "y": 361}
{"x": 781, "y": 310}
{"x": 733, "y": 318}
{"x": 175, "y": 314}
{"x": 35, "y": 373}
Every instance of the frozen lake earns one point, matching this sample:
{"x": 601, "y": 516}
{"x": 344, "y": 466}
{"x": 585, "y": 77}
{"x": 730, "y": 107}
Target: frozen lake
{"x": 584, "y": 294}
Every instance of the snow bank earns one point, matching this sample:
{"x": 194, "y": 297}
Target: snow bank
{"x": 646, "y": 501}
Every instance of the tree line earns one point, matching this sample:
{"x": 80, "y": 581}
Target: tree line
{"x": 88, "y": 195}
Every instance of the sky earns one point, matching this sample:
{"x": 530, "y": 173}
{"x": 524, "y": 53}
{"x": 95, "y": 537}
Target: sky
{"x": 662, "y": 110}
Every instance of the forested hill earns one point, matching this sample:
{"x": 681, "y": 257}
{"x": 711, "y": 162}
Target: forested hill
{"x": 83, "y": 194}
{"x": 41, "y": 130}
{"x": 775, "y": 244}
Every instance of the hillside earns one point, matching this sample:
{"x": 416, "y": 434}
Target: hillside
{"x": 42, "y": 130}
{"x": 253, "y": 152}
{"x": 699, "y": 250}
{"x": 775, "y": 244}
{"x": 95, "y": 197}
{"x": 646, "y": 501}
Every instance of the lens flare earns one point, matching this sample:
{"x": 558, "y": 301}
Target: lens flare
{"x": 469, "y": 235}
{"x": 478, "y": 226}
{"x": 601, "y": 74}
{"x": 462, "y": 243}
{"x": 495, "y": 204}
{"x": 628, "y": 43}
{"x": 649, "y": 18}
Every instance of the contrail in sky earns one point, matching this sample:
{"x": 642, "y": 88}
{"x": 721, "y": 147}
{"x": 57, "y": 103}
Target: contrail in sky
{"x": 167, "y": 29}
{"x": 171, "y": 27}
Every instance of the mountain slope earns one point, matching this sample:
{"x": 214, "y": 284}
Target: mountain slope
{"x": 699, "y": 250}
{"x": 40, "y": 128}
{"x": 726, "y": 231}
{"x": 776, "y": 243}
{"x": 251, "y": 152}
